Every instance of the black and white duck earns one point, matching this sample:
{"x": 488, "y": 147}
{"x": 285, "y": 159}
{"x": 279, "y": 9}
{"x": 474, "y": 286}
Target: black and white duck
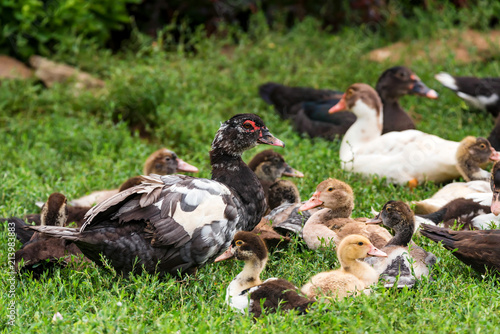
{"x": 247, "y": 292}
{"x": 309, "y": 107}
{"x": 405, "y": 262}
{"x": 175, "y": 223}
{"x": 403, "y": 157}
{"x": 480, "y": 93}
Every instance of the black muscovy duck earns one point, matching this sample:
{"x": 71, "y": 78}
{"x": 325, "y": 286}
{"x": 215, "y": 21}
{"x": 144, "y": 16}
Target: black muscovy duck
{"x": 480, "y": 93}
{"x": 175, "y": 223}
{"x": 308, "y": 108}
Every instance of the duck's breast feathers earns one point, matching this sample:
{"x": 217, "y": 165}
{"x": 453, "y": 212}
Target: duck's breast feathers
{"x": 177, "y": 208}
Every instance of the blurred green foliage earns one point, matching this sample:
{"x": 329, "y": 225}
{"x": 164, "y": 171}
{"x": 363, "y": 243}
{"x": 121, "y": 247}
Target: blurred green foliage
{"x": 42, "y": 26}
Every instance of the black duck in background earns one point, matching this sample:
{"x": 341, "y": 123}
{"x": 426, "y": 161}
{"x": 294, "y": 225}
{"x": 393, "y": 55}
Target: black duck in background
{"x": 176, "y": 223}
{"x": 309, "y": 107}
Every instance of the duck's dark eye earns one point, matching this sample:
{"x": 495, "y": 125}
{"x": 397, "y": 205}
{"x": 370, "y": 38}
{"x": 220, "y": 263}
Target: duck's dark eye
{"x": 239, "y": 243}
{"x": 482, "y": 146}
{"x": 330, "y": 189}
{"x": 249, "y": 125}
{"x": 167, "y": 159}
{"x": 360, "y": 243}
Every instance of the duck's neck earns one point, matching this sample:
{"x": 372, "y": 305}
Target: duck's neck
{"x": 234, "y": 173}
{"x": 248, "y": 277}
{"x": 368, "y": 126}
{"x": 471, "y": 171}
{"x": 361, "y": 270}
{"x": 403, "y": 234}
{"x": 344, "y": 211}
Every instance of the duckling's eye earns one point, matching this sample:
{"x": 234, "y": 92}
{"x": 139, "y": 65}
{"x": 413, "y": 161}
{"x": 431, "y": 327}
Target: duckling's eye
{"x": 239, "y": 243}
{"x": 360, "y": 243}
{"x": 330, "y": 189}
{"x": 167, "y": 159}
{"x": 482, "y": 146}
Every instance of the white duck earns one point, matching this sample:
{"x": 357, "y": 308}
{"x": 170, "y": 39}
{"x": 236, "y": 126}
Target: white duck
{"x": 402, "y": 157}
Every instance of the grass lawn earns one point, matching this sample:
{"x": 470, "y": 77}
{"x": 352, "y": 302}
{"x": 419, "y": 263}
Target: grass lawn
{"x": 53, "y": 140}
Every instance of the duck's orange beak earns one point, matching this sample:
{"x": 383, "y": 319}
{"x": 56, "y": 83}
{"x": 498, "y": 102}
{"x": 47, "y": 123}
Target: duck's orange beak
{"x": 374, "y": 251}
{"x": 183, "y": 166}
{"x": 495, "y": 156}
{"x": 495, "y": 203}
{"x": 313, "y": 202}
{"x": 226, "y": 255}
{"x": 341, "y": 106}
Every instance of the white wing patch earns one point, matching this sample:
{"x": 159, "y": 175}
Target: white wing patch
{"x": 209, "y": 208}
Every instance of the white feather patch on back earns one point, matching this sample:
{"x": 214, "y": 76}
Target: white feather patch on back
{"x": 446, "y": 80}
{"x": 210, "y": 208}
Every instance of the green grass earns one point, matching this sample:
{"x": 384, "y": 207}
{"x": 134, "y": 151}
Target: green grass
{"x": 55, "y": 141}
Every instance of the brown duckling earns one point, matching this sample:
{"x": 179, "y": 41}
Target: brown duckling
{"x": 41, "y": 252}
{"x": 161, "y": 162}
{"x": 333, "y": 223}
{"x": 402, "y": 261}
{"x": 247, "y": 292}
{"x": 353, "y": 276}
{"x": 269, "y": 166}
{"x": 477, "y": 249}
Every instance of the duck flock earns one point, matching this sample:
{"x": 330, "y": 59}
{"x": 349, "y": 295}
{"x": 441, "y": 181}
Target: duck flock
{"x": 172, "y": 224}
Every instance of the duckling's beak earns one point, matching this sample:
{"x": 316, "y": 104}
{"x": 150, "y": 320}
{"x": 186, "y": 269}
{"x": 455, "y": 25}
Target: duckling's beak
{"x": 313, "y": 202}
{"x": 341, "y": 106}
{"x": 289, "y": 171}
{"x": 374, "y": 251}
{"x": 419, "y": 88}
{"x": 183, "y": 166}
{"x": 266, "y": 137}
{"x": 374, "y": 220}
{"x": 495, "y": 203}
{"x": 229, "y": 254}
{"x": 495, "y": 156}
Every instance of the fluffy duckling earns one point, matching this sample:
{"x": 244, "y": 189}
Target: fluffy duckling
{"x": 407, "y": 262}
{"x": 472, "y": 154}
{"x": 478, "y": 249}
{"x": 41, "y": 253}
{"x": 353, "y": 276}
{"x": 161, "y": 162}
{"x": 269, "y": 166}
{"x": 333, "y": 223}
{"x": 246, "y": 291}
